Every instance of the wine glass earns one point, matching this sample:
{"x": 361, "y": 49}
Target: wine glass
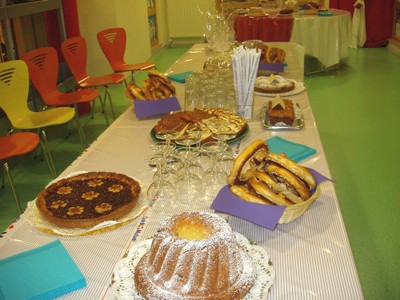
{"x": 164, "y": 153}
{"x": 167, "y": 134}
{"x": 222, "y": 132}
{"x": 161, "y": 192}
{"x": 215, "y": 177}
{"x": 189, "y": 180}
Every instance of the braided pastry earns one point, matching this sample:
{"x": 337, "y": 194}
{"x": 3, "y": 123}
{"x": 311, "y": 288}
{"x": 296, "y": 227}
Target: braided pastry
{"x": 270, "y": 178}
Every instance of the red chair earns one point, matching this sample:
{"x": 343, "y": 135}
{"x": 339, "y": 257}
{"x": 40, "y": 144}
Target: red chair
{"x": 17, "y": 144}
{"x": 43, "y": 73}
{"x": 113, "y": 43}
{"x": 75, "y": 53}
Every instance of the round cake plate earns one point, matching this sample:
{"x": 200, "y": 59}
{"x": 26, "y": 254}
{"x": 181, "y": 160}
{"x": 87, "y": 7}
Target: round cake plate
{"x": 299, "y": 87}
{"x": 237, "y": 138}
{"x": 123, "y": 285}
{"x": 36, "y": 220}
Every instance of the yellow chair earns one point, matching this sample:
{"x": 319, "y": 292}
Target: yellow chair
{"x": 14, "y": 86}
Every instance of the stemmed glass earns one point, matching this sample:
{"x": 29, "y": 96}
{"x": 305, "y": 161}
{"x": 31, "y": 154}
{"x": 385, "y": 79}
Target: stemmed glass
{"x": 164, "y": 153}
{"x": 189, "y": 180}
{"x": 222, "y": 133}
{"x": 168, "y": 134}
{"x": 214, "y": 178}
{"x": 161, "y": 191}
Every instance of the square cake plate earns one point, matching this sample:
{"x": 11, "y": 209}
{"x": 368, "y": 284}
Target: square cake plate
{"x": 298, "y": 122}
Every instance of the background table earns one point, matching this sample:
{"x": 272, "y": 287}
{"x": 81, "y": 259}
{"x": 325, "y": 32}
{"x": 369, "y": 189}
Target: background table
{"x": 311, "y": 256}
{"x": 264, "y": 28}
{"x": 326, "y": 38}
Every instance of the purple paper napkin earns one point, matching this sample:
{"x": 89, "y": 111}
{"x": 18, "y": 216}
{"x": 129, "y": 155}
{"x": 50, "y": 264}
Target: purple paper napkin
{"x": 266, "y": 216}
{"x": 278, "y": 67}
{"x": 144, "y": 109}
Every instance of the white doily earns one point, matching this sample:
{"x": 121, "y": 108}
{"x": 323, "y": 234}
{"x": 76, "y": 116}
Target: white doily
{"x": 123, "y": 285}
{"x": 36, "y": 219}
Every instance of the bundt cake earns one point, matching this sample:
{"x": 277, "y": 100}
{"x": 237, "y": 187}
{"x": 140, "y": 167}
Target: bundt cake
{"x": 194, "y": 255}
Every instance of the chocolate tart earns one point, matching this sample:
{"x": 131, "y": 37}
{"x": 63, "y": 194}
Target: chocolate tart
{"x": 88, "y": 199}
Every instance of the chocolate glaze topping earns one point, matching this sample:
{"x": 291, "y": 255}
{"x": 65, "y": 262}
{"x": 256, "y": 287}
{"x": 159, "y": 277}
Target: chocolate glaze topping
{"x": 82, "y": 199}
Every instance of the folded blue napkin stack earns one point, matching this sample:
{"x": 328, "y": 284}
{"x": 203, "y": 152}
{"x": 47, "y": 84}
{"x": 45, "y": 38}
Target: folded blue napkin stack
{"x": 45, "y": 272}
{"x": 294, "y": 151}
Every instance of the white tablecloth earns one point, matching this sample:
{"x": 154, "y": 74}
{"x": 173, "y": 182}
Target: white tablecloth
{"x": 326, "y": 38}
{"x": 311, "y": 256}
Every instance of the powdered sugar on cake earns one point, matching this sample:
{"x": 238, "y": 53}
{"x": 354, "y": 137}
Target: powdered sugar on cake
{"x": 209, "y": 268}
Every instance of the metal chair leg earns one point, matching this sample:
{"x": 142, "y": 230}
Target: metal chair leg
{"x": 3, "y": 176}
{"x": 47, "y": 154}
{"x": 82, "y": 135}
{"x": 107, "y": 93}
{"x": 7, "y": 170}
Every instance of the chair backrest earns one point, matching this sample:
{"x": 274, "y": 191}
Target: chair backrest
{"x": 14, "y": 88}
{"x": 43, "y": 71}
{"x": 113, "y": 43}
{"x": 75, "y": 53}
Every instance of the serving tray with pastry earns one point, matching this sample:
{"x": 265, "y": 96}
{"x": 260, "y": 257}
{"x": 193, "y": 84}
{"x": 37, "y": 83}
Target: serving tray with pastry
{"x": 154, "y": 96}
{"x": 203, "y": 122}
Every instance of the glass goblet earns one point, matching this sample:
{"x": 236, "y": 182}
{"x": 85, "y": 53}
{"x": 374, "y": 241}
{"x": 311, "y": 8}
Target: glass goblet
{"x": 214, "y": 178}
{"x": 161, "y": 192}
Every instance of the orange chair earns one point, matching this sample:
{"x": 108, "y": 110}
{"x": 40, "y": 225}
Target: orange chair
{"x": 43, "y": 73}
{"x": 17, "y": 144}
{"x": 75, "y": 54}
{"x": 14, "y": 85}
{"x": 113, "y": 43}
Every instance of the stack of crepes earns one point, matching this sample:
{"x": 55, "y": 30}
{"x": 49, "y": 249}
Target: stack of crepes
{"x": 245, "y": 64}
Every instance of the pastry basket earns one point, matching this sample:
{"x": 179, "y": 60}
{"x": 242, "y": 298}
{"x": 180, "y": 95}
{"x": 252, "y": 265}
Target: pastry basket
{"x": 294, "y": 211}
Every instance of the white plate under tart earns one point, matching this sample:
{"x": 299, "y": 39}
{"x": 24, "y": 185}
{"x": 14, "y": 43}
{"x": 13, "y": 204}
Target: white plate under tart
{"x": 36, "y": 219}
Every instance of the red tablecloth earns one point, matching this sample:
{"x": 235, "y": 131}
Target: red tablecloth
{"x": 265, "y": 28}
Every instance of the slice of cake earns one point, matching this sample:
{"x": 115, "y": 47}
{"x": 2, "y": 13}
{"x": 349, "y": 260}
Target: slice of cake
{"x": 281, "y": 111}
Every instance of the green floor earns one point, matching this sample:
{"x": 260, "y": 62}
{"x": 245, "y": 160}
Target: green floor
{"x": 356, "y": 109}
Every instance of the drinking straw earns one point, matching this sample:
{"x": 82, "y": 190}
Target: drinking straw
{"x": 245, "y": 65}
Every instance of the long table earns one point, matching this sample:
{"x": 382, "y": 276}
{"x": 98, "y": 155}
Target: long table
{"x": 311, "y": 256}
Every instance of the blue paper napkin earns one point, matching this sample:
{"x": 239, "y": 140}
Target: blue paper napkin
{"x": 45, "y": 272}
{"x": 294, "y": 151}
{"x": 144, "y": 109}
{"x": 180, "y": 77}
